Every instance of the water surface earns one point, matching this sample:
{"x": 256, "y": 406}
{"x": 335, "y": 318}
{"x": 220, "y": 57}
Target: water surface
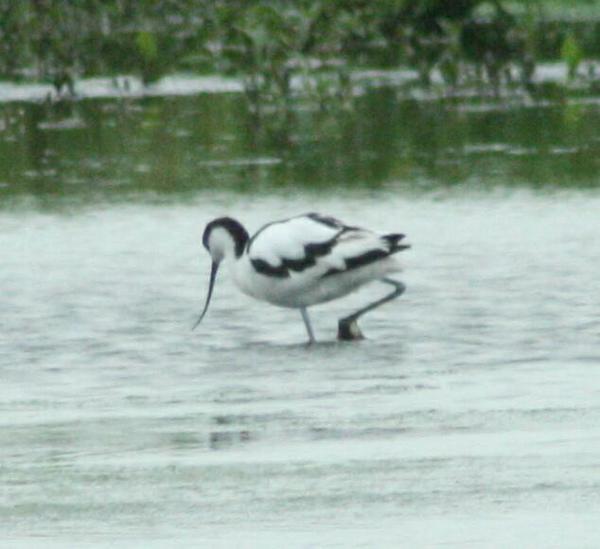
{"x": 475, "y": 395}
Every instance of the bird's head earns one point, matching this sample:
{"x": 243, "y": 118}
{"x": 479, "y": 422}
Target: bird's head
{"x": 223, "y": 237}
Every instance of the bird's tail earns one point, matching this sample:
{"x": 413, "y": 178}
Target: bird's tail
{"x": 393, "y": 241}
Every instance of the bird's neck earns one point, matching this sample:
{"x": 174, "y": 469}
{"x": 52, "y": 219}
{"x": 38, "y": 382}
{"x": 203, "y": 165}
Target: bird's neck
{"x": 238, "y": 243}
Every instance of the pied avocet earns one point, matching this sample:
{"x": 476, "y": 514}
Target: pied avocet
{"x": 303, "y": 261}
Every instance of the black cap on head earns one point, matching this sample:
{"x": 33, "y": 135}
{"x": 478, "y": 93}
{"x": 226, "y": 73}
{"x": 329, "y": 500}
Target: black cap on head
{"x": 233, "y": 227}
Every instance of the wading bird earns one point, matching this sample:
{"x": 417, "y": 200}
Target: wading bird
{"x": 303, "y": 261}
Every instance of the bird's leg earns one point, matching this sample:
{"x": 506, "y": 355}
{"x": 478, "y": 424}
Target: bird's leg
{"x": 348, "y": 329}
{"x": 311, "y": 335}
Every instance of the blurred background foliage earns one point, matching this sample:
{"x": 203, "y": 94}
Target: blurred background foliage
{"x": 270, "y": 42}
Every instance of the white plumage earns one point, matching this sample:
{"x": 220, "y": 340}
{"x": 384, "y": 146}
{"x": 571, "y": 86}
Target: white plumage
{"x": 302, "y": 261}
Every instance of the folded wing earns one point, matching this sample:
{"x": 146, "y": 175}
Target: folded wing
{"x": 320, "y": 243}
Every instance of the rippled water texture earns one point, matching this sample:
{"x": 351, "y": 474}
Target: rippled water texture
{"x": 469, "y": 417}
{"x": 475, "y": 397}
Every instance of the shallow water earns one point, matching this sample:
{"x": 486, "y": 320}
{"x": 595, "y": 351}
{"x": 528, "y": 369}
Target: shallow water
{"x": 470, "y": 416}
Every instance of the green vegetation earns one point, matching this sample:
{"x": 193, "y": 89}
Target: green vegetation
{"x": 268, "y": 42}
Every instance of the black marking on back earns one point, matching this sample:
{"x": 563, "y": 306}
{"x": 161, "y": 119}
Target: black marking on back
{"x": 393, "y": 241}
{"x": 331, "y": 222}
{"x": 264, "y": 268}
{"x": 311, "y": 253}
{"x": 358, "y": 261}
{"x": 326, "y": 220}
{"x": 233, "y": 227}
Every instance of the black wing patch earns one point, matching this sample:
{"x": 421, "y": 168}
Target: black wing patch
{"x": 315, "y": 250}
{"x": 262, "y": 267}
{"x": 309, "y": 259}
{"x": 393, "y": 241}
{"x": 358, "y": 261}
{"x": 326, "y": 220}
{"x": 330, "y": 222}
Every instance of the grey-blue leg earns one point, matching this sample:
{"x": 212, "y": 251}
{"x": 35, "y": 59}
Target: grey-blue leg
{"x": 311, "y": 335}
{"x": 348, "y": 329}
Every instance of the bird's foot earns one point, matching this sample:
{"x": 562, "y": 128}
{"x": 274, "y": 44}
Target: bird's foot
{"x": 348, "y": 330}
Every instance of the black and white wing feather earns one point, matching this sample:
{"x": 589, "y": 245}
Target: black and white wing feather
{"x": 317, "y": 243}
